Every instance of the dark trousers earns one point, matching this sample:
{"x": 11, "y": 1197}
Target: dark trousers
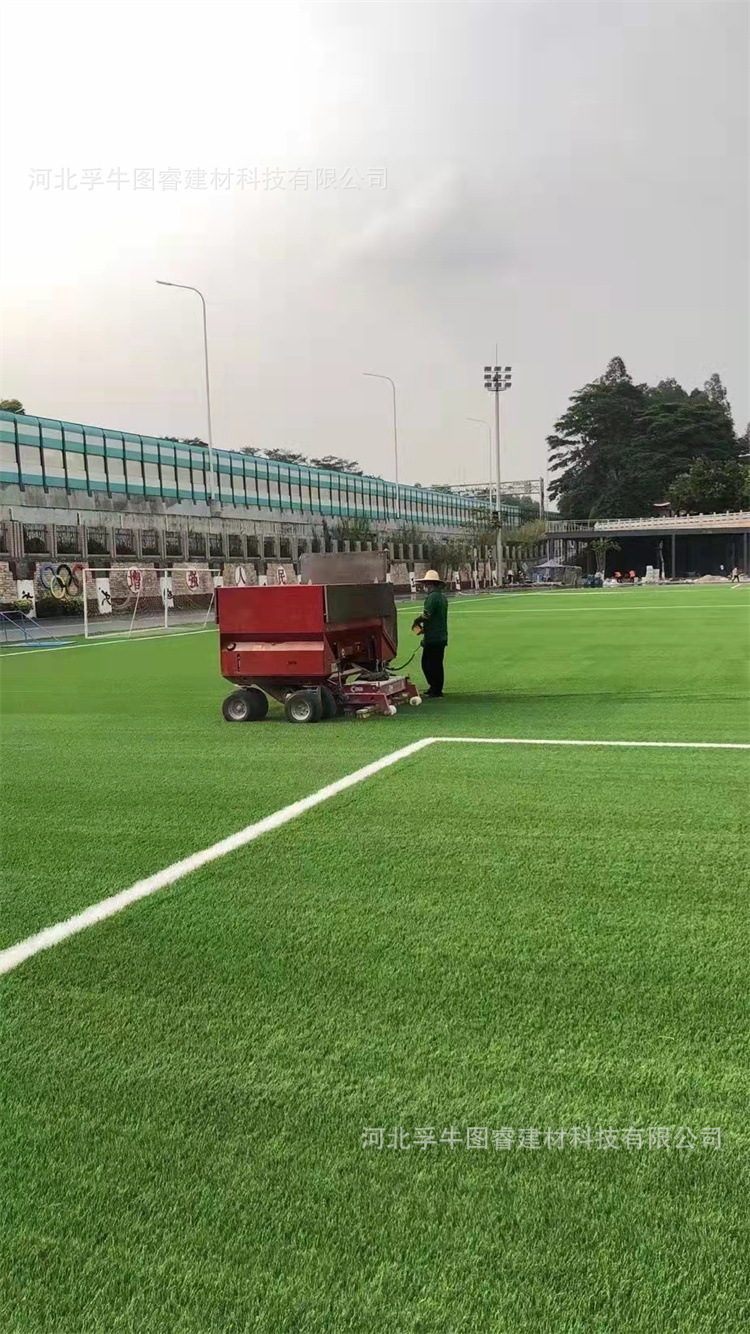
{"x": 432, "y": 666}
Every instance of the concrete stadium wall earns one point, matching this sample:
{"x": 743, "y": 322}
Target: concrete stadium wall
{"x": 100, "y": 528}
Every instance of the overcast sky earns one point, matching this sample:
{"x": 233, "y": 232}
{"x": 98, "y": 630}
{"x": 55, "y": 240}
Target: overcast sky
{"x": 569, "y": 180}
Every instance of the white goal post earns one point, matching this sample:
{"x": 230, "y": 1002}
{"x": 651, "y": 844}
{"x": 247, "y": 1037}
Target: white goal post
{"x": 136, "y": 599}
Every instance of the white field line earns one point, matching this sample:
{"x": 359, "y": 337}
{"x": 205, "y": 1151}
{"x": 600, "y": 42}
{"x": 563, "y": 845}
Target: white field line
{"x": 104, "y": 640}
{"x": 546, "y": 741}
{"x": 8, "y": 651}
{"x": 98, "y": 912}
{"x": 574, "y": 611}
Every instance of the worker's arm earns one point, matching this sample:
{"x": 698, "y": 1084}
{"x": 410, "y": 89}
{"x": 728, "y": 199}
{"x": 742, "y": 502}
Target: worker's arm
{"x": 419, "y": 622}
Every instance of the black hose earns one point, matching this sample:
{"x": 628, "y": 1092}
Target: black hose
{"x": 401, "y": 666}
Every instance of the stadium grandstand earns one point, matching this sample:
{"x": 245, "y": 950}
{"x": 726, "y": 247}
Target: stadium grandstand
{"x": 42, "y": 455}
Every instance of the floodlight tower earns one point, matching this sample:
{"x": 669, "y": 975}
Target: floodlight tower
{"x": 373, "y": 375}
{"x": 496, "y": 380}
{"x": 214, "y": 493}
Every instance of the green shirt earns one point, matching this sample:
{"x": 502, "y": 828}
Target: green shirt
{"x": 435, "y": 618}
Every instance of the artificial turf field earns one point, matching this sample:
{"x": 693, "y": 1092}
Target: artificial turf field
{"x": 499, "y": 936}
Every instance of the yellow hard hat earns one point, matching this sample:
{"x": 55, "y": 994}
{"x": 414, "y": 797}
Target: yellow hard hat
{"x": 431, "y": 577}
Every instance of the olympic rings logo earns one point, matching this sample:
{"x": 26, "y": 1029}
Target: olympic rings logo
{"x": 62, "y": 581}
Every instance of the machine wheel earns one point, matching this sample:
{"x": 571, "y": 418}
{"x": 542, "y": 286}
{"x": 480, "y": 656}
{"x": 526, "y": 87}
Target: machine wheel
{"x": 329, "y": 703}
{"x": 245, "y": 706}
{"x": 259, "y": 704}
{"x": 304, "y": 706}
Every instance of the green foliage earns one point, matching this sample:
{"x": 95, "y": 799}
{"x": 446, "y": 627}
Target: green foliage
{"x": 448, "y": 555}
{"x": 285, "y": 456}
{"x": 598, "y": 549}
{"x": 46, "y": 606}
{"x": 711, "y": 488}
{"x": 13, "y": 405}
{"x": 528, "y": 508}
{"x": 620, "y": 445}
{"x": 527, "y": 536}
{"x": 409, "y": 534}
{"x": 333, "y": 463}
{"x": 357, "y": 529}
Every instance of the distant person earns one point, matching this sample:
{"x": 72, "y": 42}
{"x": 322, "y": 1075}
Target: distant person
{"x": 432, "y": 625}
{"x": 631, "y": 576}
{"x": 735, "y": 575}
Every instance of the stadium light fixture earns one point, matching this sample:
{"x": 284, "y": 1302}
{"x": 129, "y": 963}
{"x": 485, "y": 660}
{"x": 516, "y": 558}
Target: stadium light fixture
{"x": 497, "y": 379}
{"x": 373, "y": 375}
{"x": 211, "y": 460}
{"x": 481, "y": 422}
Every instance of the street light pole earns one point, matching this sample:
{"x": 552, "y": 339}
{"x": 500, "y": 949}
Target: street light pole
{"x": 481, "y": 422}
{"x": 497, "y": 379}
{"x": 373, "y": 375}
{"x": 211, "y": 458}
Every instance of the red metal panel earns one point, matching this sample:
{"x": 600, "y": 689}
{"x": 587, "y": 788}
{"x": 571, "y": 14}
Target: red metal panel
{"x": 286, "y": 609}
{"x": 280, "y": 662}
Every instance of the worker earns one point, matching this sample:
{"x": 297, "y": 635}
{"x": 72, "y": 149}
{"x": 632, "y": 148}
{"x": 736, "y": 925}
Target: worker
{"x": 432, "y": 625}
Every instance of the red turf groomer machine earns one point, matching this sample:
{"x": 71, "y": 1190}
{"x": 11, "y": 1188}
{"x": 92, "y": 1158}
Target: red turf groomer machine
{"x": 320, "y": 649}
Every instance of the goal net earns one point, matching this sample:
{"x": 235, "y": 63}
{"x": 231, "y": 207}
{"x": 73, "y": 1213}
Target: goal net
{"x": 128, "y": 600}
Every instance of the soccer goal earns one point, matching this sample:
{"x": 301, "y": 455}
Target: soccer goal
{"x": 128, "y": 600}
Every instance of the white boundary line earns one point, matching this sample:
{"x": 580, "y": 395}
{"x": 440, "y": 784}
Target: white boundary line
{"x": 671, "y": 606}
{"x": 98, "y": 912}
{"x": 7, "y": 651}
{"x": 545, "y": 741}
{"x": 107, "y": 640}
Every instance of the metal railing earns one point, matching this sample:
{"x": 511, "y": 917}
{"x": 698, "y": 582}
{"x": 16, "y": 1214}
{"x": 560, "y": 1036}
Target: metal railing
{"x": 660, "y": 523}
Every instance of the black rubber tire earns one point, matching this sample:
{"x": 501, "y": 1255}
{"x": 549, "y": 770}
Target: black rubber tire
{"x": 329, "y": 702}
{"x": 304, "y": 706}
{"x": 245, "y": 706}
{"x": 259, "y": 704}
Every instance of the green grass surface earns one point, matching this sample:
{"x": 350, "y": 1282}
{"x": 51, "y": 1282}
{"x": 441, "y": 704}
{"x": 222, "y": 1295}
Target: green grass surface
{"x": 485, "y": 936}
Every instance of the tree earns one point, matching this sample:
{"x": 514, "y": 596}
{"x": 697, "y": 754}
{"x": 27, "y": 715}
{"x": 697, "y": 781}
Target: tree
{"x": 525, "y": 539}
{"x": 449, "y": 555}
{"x": 600, "y": 546}
{"x": 711, "y": 487}
{"x": 590, "y": 448}
{"x": 358, "y": 529}
{"x": 334, "y": 464}
{"x": 528, "y": 509}
{"x": 409, "y": 534}
{"x": 13, "y": 405}
{"x": 667, "y": 391}
{"x": 716, "y": 393}
{"x": 620, "y": 446}
{"x": 285, "y": 456}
